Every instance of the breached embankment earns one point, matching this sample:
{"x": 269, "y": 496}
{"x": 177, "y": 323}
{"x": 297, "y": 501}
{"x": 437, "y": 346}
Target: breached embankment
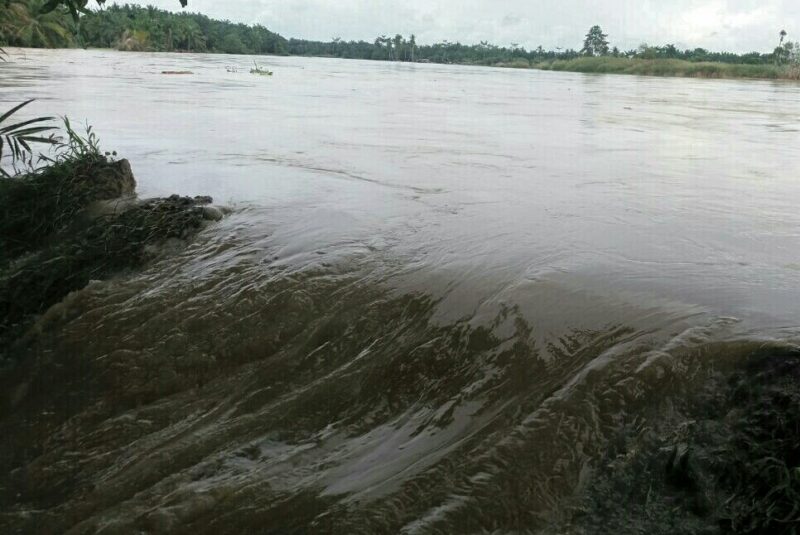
{"x": 218, "y": 391}
{"x": 74, "y": 222}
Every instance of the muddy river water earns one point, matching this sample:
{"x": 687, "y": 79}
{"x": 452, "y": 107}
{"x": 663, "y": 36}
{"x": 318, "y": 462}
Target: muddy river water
{"x": 438, "y": 293}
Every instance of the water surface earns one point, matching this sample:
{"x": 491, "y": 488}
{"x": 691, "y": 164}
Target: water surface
{"x": 440, "y": 291}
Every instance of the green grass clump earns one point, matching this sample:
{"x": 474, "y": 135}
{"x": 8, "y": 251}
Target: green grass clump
{"x": 670, "y": 67}
{"x": 36, "y": 205}
{"x": 261, "y": 72}
{"x": 38, "y": 202}
{"x": 50, "y": 243}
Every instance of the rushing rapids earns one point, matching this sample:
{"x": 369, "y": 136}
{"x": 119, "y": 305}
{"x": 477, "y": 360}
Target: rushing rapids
{"x": 440, "y": 294}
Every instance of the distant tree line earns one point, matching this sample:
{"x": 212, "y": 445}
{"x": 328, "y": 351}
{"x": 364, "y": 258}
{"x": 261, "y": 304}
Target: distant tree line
{"x": 28, "y": 23}
{"x": 400, "y": 48}
{"x": 53, "y": 23}
{"x": 147, "y": 28}
{"x": 596, "y": 43}
{"x": 670, "y": 51}
{"x": 487, "y": 54}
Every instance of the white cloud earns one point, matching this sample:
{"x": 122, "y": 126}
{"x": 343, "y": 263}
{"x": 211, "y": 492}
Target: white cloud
{"x": 718, "y": 22}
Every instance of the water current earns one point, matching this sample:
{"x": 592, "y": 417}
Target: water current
{"x": 439, "y": 292}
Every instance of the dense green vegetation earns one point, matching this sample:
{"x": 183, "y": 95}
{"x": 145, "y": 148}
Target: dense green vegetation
{"x": 75, "y": 7}
{"x": 137, "y": 28}
{"x": 400, "y": 48}
{"x": 23, "y": 23}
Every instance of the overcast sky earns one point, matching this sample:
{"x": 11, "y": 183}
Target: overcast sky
{"x": 734, "y": 25}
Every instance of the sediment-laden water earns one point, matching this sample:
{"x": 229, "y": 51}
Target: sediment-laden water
{"x": 441, "y": 291}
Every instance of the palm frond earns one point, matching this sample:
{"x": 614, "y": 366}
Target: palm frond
{"x": 16, "y": 138}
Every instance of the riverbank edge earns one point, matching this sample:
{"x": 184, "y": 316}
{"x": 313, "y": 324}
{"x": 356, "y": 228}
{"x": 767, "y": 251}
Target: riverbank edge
{"x": 73, "y": 222}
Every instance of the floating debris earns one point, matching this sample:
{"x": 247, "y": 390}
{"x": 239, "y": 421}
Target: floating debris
{"x": 258, "y": 70}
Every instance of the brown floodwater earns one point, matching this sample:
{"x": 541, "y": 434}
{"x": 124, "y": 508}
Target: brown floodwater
{"x": 439, "y": 293}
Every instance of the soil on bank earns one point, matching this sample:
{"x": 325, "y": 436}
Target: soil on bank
{"x": 73, "y": 222}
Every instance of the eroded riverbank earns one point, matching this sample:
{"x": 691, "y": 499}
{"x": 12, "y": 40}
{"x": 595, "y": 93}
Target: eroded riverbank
{"x": 73, "y": 222}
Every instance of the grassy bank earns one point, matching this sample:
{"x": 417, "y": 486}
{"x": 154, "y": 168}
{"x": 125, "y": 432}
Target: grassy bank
{"x": 671, "y": 67}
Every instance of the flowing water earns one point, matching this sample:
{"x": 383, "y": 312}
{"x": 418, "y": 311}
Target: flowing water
{"x": 440, "y": 292}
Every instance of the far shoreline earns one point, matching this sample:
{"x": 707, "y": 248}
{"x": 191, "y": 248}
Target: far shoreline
{"x": 660, "y": 67}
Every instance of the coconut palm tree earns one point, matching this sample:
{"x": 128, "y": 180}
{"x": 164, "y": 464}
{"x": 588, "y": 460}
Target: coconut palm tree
{"x": 25, "y": 24}
{"x": 77, "y": 6}
{"x": 782, "y": 53}
{"x": 398, "y": 46}
{"x": 388, "y": 43}
{"x": 195, "y": 39}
